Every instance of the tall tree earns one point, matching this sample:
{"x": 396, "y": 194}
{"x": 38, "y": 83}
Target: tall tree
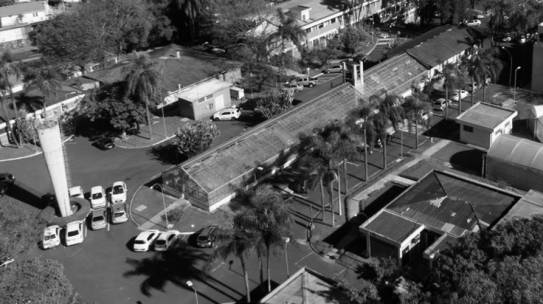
{"x": 482, "y": 66}
{"x": 359, "y": 119}
{"x": 143, "y": 85}
{"x": 288, "y": 30}
{"x": 9, "y": 72}
{"x": 415, "y": 107}
{"x": 95, "y": 29}
{"x": 46, "y": 79}
{"x": 195, "y": 137}
{"x": 453, "y": 81}
{"x": 239, "y": 243}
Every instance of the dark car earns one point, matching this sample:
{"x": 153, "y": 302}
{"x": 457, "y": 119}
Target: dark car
{"x": 6, "y": 180}
{"x": 206, "y": 237}
{"x": 104, "y": 143}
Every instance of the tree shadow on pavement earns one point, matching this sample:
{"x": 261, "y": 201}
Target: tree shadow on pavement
{"x": 178, "y": 265}
{"x": 167, "y": 154}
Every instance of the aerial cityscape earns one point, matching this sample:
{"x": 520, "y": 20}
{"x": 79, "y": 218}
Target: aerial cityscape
{"x": 271, "y": 151}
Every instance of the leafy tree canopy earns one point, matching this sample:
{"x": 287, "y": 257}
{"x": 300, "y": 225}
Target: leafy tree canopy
{"x": 503, "y": 265}
{"x": 95, "y": 29}
{"x": 195, "y": 137}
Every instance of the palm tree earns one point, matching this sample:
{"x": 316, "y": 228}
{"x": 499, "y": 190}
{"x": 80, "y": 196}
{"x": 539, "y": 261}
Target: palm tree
{"x": 482, "y": 66}
{"x": 453, "y": 80}
{"x": 191, "y": 11}
{"x": 414, "y": 108}
{"x": 239, "y": 243}
{"x": 9, "y": 69}
{"x": 314, "y": 167}
{"x": 359, "y": 120}
{"x": 142, "y": 84}
{"x": 288, "y": 29}
{"x": 382, "y": 124}
{"x": 47, "y": 80}
{"x": 342, "y": 143}
{"x": 265, "y": 214}
{"x": 391, "y": 106}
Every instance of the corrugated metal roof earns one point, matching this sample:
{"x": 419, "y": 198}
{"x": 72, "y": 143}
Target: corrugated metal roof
{"x": 394, "y": 75}
{"x": 22, "y": 8}
{"x": 240, "y": 155}
{"x": 518, "y": 151}
{"x": 440, "y": 48}
{"x": 486, "y": 115}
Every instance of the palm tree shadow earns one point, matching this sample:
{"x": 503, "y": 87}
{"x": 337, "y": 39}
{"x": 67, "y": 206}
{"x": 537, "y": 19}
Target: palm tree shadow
{"x": 178, "y": 265}
{"x": 167, "y": 154}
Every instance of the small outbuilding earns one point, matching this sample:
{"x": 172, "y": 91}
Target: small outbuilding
{"x": 516, "y": 161}
{"x": 482, "y": 123}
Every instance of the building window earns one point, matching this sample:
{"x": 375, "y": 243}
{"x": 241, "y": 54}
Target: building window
{"x": 321, "y": 25}
{"x": 211, "y": 106}
{"x": 415, "y": 240}
{"x": 333, "y": 20}
{"x": 35, "y": 14}
{"x": 468, "y": 129}
{"x": 308, "y": 30}
{"x": 202, "y": 99}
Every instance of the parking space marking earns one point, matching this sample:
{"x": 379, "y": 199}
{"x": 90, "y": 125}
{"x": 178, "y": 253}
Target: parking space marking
{"x": 140, "y": 208}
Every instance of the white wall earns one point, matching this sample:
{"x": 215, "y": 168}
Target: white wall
{"x": 14, "y": 34}
{"x": 24, "y": 18}
{"x": 479, "y": 137}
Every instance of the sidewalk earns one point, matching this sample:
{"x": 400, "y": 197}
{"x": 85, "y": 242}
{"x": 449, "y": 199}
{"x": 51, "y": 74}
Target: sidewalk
{"x": 160, "y": 135}
{"x": 12, "y": 152}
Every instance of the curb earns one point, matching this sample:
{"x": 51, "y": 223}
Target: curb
{"x": 33, "y": 154}
{"x": 145, "y": 146}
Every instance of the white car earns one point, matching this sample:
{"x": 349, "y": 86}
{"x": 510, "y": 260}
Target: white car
{"x": 118, "y": 192}
{"x": 227, "y": 114}
{"x": 338, "y": 68}
{"x": 75, "y": 233}
{"x": 118, "y": 213}
{"x": 51, "y": 237}
{"x": 474, "y": 22}
{"x": 145, "y": 239}
{"x": 166, "y": 239}
{"x": 97, "y": 197}
{"x": 458, "y": 95}
{"x": 98, "y": 218}
{"x": 76, "y": 191}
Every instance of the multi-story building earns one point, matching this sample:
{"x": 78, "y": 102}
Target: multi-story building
{"x": 16, "y": 22}
{"x": 322, "y": 22}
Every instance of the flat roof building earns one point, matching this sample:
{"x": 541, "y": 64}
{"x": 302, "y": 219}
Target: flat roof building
{"x": 482, "y": 123}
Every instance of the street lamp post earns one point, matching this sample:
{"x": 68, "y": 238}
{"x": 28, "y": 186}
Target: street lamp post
{"x": 515, "y": 84}
{"x": 164, "y": 206}
{"x": 286, "y": 239}
{"x": 510, "y": 63}
{"x": 191, "y": 285}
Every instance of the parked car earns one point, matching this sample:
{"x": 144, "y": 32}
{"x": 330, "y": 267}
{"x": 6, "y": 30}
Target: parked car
{"x": 166, "y": 239}
{"x": 97, "y": 197}
{"x": 206, "y": 237}
{"x": 118, "y": 192}
{"x": 98, "y": 218}
{"x": 458, "y": 95}
{"x": 76, "y": 191}
{"x": 75, "y": 233}
{"x": 51, "y": 237}
{"x": 440, "y": 104}
{"x": 338, "y": 68}
{"x": 118, "y": 213}
{"x": 307, "y": 81}
{"x": 294, "y": 85}
{"x": 145, "y": 240}
{"x": 227, "y": 114}
{"x": 474, "y": 22}
{"x": 104, "y": 143}
{"x": 6, "y": 180}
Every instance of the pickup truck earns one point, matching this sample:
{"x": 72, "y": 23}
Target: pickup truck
{"x": 307, "y": 81}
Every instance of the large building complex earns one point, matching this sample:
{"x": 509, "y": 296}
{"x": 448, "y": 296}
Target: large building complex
{"x": 322, "y": 21}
